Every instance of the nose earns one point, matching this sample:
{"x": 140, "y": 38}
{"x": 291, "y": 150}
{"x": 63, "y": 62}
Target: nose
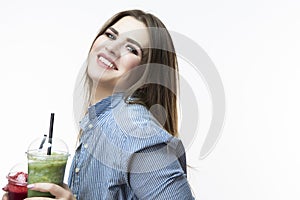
{"x": 114, "y": 47}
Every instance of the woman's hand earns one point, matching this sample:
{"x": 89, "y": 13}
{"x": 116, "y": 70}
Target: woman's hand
{"x": 63, "y": 193}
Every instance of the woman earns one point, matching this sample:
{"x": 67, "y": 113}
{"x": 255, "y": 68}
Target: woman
{"x": 128, "y": 147}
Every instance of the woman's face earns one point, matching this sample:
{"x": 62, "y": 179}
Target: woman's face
{"x": 117, "y": 51}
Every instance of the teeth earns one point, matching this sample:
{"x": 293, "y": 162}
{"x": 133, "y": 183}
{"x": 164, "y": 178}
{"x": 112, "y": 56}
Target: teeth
{"x": 106, "y": 62}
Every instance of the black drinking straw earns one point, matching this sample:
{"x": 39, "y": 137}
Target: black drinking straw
{"x": 43, "y": 141}
{"x": 50, "y": 133}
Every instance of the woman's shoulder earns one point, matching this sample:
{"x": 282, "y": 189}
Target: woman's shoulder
{"x": 139, "y": 127}
{"x": 135, "y": 120}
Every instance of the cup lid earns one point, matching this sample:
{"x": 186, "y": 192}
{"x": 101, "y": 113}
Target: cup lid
{"x": 18, "y": 174}
{"x": 41, "y": 146}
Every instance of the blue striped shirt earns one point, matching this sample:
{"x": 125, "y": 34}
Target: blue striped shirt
{"x": 124, "y": 153}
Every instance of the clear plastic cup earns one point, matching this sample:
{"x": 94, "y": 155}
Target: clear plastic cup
{"x": 17, "y": 182}
{"x": 44, "y": 168}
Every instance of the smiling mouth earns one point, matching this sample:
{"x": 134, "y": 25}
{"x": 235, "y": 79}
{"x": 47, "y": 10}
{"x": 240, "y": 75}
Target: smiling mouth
{"x": 107, "y": 63}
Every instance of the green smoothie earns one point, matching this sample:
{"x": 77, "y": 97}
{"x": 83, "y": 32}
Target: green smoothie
{"x": 46, "y": 169}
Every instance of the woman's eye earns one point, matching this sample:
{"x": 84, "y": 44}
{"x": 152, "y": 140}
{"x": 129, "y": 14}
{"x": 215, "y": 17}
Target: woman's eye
{"x": 132, "y": 50}
{"x": 109, "y": 35}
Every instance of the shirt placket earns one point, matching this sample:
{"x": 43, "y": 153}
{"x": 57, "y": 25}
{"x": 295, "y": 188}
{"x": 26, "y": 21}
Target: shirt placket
{"x": 80, "y": 157}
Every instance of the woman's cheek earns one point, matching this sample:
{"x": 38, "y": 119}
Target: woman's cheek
{"x": 132, "y": 61}
{"x": 99, "y": 43}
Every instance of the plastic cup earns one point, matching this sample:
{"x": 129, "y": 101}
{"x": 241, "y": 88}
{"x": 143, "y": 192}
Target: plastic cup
{"x": 17, "y": 182}
{"x": 43, "y": 168}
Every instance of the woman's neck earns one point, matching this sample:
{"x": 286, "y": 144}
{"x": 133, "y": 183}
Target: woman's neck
{"x": 101, "y": 93}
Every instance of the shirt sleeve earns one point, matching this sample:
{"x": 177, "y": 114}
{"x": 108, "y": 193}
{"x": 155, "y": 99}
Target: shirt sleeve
{"x": 159, "y": 172}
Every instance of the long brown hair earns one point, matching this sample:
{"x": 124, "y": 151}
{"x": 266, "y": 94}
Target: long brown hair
{"x": 163, "y": 87}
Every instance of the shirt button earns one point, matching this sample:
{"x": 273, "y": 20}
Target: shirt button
{"x": 85, "y": 145}
{"x": 91, "y": 126}
{"x": 77, "y": 169}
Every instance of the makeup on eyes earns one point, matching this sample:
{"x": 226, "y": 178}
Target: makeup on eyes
{"x": 130, "y": 40}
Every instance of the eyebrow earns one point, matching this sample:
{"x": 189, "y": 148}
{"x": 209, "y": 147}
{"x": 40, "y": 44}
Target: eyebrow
{"x": 128, "y": 39}
{"x": 114, "y": 30}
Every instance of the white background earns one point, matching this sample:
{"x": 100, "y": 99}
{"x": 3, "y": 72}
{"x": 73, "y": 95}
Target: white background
{"x": 255, "y": 46}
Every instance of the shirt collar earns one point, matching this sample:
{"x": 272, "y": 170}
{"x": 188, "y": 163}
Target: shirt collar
{"x": 97, "y": 109}
{"x": 103, "y": 105}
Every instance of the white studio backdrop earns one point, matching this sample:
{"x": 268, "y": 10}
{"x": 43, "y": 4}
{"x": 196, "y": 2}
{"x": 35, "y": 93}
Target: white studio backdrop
{"x": 254, "y": 45}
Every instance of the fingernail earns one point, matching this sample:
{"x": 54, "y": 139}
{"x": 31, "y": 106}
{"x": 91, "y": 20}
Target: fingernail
{"x": 30, "y": 186}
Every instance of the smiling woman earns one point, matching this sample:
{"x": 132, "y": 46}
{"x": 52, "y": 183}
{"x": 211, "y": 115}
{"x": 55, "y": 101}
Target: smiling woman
{"x": 128, "y": 146}
{"x": 115, "y": 53}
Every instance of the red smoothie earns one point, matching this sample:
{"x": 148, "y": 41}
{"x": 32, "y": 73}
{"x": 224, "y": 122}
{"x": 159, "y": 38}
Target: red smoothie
{"x": 17, "y": 186}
